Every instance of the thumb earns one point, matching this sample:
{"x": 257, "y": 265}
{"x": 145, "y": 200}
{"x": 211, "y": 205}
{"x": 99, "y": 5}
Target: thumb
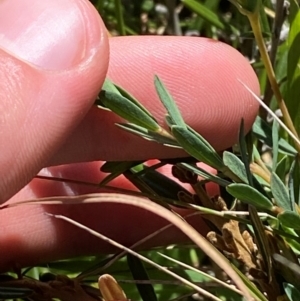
{"x": 53, "y": 61}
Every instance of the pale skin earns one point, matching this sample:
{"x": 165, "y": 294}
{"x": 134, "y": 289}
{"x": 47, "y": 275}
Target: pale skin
{"x": 53, "y": 62}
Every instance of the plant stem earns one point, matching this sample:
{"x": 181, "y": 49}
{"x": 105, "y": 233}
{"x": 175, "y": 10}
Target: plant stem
{"x": 120, "y": 19}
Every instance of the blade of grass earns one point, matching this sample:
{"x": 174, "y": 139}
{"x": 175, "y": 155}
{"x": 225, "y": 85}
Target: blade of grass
{"x": 141, "y": 257}
{"x": 222, "y": 283}
{"x": 164, "y": 213}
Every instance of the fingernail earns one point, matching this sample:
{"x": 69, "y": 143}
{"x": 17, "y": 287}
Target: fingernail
{"x": 54, "y": 34}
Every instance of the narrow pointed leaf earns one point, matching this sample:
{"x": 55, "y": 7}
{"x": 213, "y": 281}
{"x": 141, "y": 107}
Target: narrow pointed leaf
{"x": 280, "y": 193}
{"x": 168, "y": 102}
{"x": 127, "y": 110}
{"x": 108, "y": 85}
{"x": 197, "y": 146}
{"x": 294, "y": 181}
{"x": 275, "y": 138}
{"x": 14, "y": 292}
{"x": 293, "y": 71}
{"x": 261, "y": 240}
{"x": 235, "y": 165}
{"x": 249, "y": 195}
{"x": 204, "y": 174}
{"x": 139, "y": 273}
{"x": 127, "y": 95}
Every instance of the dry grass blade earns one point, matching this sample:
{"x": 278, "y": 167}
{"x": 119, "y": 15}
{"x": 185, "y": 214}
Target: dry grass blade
{"x": 222, "y": 283}
{"x": 198, "y": 239}
{"x": 145, "y": 259}
{"x": 122, "y": 253}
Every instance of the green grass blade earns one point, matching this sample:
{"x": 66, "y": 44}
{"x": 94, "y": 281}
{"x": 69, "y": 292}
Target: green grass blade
{"x": 294, "y": 181}
{"x": 119, "y": 17}
{"x": 293, "y": 71}
{"x": 204, "y": 174}
{"x": 275, "y": 138}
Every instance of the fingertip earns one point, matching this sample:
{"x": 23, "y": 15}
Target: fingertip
{"x": 202, "y": 75}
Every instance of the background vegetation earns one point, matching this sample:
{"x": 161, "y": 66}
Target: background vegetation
{"x": 255, "y": 222}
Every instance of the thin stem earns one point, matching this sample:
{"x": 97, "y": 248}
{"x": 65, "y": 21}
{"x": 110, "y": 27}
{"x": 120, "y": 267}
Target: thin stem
{"x": 120, "y": 19}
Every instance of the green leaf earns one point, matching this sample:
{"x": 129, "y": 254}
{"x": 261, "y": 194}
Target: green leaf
{"x": 168, "y": 102}
{"x": 108, "y": 85}
{"x": 293, "y": 71}
{"x": 235, "y": 165}
{"x": 139, "y": 273}
{"x": 204, "y": 174}
{"x": 290, "y": 219}
{"x": 128, "y": 110}
{"x": 280, "y": 193}
{"x": 282, "y": 166}
{"x": 249, "y": 195}
{"x": 292, "y": 293}
{"x": 275, "y": 138}
{"x": 205, "y": 13}
{"x": 197, "y": 146}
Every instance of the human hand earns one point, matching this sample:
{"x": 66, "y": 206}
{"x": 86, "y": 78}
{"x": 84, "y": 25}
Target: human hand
{"x": 53, "y": 61}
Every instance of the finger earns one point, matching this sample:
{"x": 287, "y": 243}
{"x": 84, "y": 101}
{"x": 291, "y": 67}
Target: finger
{"x": 201, "y": 74}
{"x": 53, "y": 59}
